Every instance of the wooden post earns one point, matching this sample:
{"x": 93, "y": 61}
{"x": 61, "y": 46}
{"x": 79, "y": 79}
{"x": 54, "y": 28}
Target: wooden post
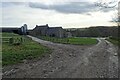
{"x": 21, "y": 40}
{"x": 11, "y": 40}
{"x": 67, "y": 40}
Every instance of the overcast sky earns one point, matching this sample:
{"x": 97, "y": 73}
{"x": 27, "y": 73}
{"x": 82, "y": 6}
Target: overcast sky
{"x": 65, "y": 13}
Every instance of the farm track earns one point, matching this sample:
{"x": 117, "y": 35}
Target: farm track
{"x": 69, "y": 61}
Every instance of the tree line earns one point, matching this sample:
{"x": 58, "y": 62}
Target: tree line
{"x": 99, "y": 31}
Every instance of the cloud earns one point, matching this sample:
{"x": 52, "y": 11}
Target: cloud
{"x": 69, "y": 7}
{"x": 10, "y": 4}
{"x": 80, "y": 14}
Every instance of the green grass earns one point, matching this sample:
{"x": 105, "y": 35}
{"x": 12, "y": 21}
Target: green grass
{"x": 115, "y": 42}
{"x": 82, "y": 41}
{"x": 28, "y": 50}
{"x": 9, "y": 35}
{"x": 77, "y": 41}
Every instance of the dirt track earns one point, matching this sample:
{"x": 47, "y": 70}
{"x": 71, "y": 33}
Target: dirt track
{"x": 69, "y": 61}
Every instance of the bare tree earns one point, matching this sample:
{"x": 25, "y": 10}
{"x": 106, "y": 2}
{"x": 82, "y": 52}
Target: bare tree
{"x": 110, "y": 4}
{"x": 106, "y": 3}
{"x": 119, "y": 14}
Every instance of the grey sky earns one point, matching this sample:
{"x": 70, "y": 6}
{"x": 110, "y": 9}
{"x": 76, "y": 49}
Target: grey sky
{"x": 68, "y": 13}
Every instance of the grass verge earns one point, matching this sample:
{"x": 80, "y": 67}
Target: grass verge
{"x": 115, "y": 42}
{"x": 77, "y": 41}
{"x": 29, "y": 49}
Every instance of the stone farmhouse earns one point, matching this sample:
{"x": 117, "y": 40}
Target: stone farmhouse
{"x": 45, "y": 30}
{"x": 21, "y": 31}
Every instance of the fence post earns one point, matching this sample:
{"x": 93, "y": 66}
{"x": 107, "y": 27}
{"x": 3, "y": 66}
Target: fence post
{"x": 67, "y": 40}
{"x": 21, "y": 40}
{"x": 11, "y": 40}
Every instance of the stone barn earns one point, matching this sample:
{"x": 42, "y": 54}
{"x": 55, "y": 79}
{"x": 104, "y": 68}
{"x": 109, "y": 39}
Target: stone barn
{"x": 45, "y": 30}
{"x": 40, "y": 30}
{"x": 55, "y": 32}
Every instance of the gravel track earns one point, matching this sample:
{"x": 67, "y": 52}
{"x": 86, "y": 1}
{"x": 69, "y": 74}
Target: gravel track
{"x": 69, "y": 61}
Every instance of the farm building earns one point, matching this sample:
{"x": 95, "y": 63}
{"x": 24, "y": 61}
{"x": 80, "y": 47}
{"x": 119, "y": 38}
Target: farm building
{"x": 45, "y": 30}
{"x": 21, "y": 31}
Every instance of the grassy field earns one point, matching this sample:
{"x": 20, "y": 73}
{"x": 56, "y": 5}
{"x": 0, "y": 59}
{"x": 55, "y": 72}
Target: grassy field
{"x": 114, "y": 41}
{"x": 78, "y": 41}
{"x": 82, "y": 41}
{"x": 29, "y": 49}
